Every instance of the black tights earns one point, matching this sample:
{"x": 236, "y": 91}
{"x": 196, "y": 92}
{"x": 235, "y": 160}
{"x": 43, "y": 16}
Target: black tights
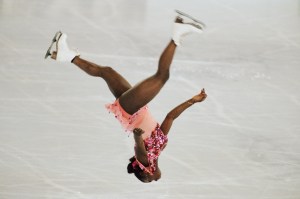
{"x": 132, "y": 98}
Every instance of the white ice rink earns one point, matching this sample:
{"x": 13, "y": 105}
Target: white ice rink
{"x": 57, "y": 141}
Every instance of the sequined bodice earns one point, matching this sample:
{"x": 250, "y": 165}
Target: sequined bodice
{"x": 154, "y": 145}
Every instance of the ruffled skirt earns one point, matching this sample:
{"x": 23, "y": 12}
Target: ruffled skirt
{"x": 128, "y": 122}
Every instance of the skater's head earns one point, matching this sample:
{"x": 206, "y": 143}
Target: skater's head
{"x": 143, "y": 176}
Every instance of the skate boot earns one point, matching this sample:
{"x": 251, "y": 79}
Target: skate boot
{"x": 63, "y": 52}
{"x": 55, "y": 38}
{"x": 183, "y": 27}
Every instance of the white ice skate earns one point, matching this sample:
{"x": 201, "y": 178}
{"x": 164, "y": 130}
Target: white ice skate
{"x": 184, "y": 25}
{"x": 63, "y": 52}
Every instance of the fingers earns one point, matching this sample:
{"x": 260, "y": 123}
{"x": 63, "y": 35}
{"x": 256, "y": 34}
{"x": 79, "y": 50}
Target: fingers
{"x": 203, "y": 94}
{"x": 202, "y": 91}
{"x": 138, "y": 131}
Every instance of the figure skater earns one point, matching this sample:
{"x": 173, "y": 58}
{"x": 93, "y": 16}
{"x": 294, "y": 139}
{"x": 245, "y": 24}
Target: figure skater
{"x": 130, "y": 107}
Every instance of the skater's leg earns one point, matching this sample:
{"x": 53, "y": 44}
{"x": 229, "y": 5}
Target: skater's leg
{"x": 142, "y": 93}
{"x": 116, "y": 83}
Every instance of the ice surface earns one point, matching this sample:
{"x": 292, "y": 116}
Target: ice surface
{"x": 57, "y": 140}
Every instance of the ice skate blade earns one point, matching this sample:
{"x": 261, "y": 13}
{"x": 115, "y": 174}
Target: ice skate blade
{"x": 55, "y": 39}
{"x": 201, "y": 24}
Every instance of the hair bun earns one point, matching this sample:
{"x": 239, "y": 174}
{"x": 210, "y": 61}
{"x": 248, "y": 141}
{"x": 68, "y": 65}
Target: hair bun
{"x": 130, "y": 168}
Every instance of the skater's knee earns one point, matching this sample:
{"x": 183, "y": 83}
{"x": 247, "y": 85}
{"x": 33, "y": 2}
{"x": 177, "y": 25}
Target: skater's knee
{"x": 106, "y": 70}
{"x": 163, "y": 75}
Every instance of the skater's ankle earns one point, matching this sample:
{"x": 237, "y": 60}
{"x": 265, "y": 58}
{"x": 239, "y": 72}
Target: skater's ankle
{"x": 75, "y": 59}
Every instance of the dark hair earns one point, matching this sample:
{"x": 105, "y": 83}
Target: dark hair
{"x": 136, "y": 170}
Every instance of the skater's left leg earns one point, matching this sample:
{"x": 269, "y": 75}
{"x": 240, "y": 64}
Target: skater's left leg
{"x": 142, "y": 93}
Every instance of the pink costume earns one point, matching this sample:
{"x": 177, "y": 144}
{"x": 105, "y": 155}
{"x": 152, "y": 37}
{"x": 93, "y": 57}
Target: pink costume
{"x": 154, "y": 139}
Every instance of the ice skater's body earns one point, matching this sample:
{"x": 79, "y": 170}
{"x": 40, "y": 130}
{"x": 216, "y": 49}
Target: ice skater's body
{"x": 131, "y": 100}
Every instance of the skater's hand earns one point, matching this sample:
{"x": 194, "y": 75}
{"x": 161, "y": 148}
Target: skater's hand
{"x": 138, "y": 131}
{"x": 200, "y": 97}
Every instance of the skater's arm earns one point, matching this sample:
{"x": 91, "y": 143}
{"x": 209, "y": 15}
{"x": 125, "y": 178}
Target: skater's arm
{"x": 174, "y": 113}
{"x": 140, "y": 150}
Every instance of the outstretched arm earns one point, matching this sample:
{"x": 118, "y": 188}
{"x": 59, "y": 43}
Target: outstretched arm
{"x": 173, "y": 114}
{"x": 140, "y": 149}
